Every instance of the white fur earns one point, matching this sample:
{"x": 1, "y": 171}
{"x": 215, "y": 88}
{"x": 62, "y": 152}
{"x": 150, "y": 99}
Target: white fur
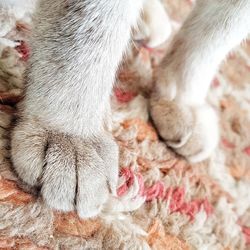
{"x": 158, "y": 28}
{"x": 18, "y": 7}
{"x": 212, "y": 30}
{"x": 80, "y": 110}
{"x": 207, "y": 127}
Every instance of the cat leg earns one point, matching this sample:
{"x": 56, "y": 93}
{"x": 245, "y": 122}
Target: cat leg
{"x": 59, "y": 143}
{"x": 178, "y": 106}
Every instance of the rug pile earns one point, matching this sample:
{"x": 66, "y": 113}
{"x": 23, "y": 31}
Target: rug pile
{"x": 163, "y": 202}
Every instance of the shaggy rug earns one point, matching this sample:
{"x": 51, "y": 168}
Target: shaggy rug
{"x": 163, "y": 202}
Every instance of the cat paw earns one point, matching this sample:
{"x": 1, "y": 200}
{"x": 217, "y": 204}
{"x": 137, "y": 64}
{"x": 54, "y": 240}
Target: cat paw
{"x": 155, "y": 27}
{"x": 191, "y": 131}
{"x": 71, "y": 173}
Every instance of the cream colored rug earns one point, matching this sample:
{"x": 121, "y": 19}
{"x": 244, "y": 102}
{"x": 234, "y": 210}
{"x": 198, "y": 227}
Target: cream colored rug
{"x": 164, "y": 202}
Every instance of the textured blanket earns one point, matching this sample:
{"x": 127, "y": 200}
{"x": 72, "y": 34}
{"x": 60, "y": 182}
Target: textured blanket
{"x": 163, "y": 202}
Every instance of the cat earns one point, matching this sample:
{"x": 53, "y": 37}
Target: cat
{"x": 60, "y": 143}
